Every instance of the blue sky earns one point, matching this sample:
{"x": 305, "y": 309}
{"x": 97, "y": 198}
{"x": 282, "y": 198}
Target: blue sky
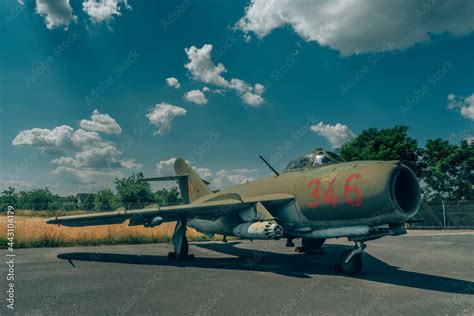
{"x": 254, "y": 78}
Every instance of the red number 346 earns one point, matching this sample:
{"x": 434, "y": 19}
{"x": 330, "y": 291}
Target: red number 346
{"x": 330, "y": 196}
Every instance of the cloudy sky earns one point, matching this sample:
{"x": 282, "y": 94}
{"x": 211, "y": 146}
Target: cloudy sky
{"x": 93, "y": 90}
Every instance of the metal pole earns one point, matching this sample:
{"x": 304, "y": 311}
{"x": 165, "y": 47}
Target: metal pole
{"x": 444, "y": 214}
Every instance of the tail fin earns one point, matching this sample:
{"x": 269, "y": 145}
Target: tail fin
{"x": 196, "y": 188}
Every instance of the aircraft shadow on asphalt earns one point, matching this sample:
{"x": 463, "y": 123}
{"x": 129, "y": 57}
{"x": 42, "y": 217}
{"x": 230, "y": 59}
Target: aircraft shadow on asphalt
{"x": 291, "y": 265}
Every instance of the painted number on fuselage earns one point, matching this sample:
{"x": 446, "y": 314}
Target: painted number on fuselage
{"x": 315, "y": 192}
{"x": 348, "y": 188}
{"x": 330, "y": 196}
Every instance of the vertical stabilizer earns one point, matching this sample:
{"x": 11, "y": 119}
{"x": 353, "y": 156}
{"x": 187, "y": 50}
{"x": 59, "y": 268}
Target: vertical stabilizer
{"x": 196, "y": 187}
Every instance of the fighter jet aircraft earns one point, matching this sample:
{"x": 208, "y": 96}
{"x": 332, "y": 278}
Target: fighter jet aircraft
{"x": 318, "y": 196}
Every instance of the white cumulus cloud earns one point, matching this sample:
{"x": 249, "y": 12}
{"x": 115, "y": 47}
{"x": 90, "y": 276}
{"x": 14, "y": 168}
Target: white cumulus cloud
{"x": 203, "y": 69}
{"x": 464, "y": 105}
{"x": 252, "y": 99}
{"x": 196, "y": 96}
{"x": 360, "y": 26}
{"x": 88, "y": 176}
{"x": 173, "y": 82}
{"x": 56, "y": 13}
{"x": 165, "y": 167}
{"x": 92, "y": 157}
{"x": 162, "y": 116}
{"x": 58, "y": 140}
{"x": 104, "y": 10}
{"x": 80, "y": 156}
{"x": 337, "y": 135}
{"x": 101, "y": 123}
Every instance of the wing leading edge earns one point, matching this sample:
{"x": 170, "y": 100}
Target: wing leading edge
{"x": 204, "y": 210}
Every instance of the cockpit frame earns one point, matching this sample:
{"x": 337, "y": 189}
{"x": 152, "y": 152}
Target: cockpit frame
{"x": 313, "y": 159}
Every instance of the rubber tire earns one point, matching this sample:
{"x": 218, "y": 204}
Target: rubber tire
{"x": 354, "y": 266}
{"x": 310, "y": 245}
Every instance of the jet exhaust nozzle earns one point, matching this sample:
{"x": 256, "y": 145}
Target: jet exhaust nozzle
{"x": 405, "y": 190}
{"x": 259, "y": 230}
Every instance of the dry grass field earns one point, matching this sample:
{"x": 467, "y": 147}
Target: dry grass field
{"x": 33, "y": 232}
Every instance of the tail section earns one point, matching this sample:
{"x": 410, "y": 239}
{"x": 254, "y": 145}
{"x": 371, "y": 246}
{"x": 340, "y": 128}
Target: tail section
{"x": 196, "y": 188}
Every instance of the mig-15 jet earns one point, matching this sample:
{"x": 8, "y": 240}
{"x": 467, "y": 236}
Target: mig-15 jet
{"x": 318, "y": 196}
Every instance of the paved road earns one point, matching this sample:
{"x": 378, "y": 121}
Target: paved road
{"x": 424, "y": 273}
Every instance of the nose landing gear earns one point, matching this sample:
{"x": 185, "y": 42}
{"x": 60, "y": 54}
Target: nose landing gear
{"x": 350, "y": 260}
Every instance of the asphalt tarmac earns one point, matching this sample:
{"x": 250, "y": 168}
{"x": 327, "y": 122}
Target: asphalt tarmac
{"x": 426, "y": 272}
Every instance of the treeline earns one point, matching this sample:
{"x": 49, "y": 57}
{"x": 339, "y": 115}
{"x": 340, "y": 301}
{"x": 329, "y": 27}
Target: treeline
{"x": 131, "y": 192}
{"x": 445, "y": 170}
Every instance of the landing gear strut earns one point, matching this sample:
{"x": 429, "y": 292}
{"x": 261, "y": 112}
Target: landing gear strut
{"x": 311, "y": 246}
{"x": 180, "y": 243}
{"x": 350, "y": 261}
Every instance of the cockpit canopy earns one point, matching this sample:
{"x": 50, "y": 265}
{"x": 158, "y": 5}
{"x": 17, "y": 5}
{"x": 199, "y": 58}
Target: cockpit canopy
{"x": 317, "y": 157}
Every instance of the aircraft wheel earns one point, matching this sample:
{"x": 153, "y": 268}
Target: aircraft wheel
{"x": 310, "y": 245}
{"x": 354, "y": 266}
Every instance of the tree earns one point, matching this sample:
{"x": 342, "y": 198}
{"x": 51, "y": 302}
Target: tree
{"x": 88, "y": 203}
{"x": 106, "y": 200}
{"x": 384, "y": 144}
{"x": 69, "y": 203}
{"x": 133, "y": 191}
{"x": 465, "y": 175}
{"x": 8, "y": 197}
{"x": 448, "y": 170}
{"x": 36, "y": 199}
{"x": 166, "y": 197}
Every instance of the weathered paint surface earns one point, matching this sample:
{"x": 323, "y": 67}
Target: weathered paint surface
{"x": 357, "y": 192}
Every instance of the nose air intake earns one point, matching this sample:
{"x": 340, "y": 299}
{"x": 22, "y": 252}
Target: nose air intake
{"x": 405, "y": 190}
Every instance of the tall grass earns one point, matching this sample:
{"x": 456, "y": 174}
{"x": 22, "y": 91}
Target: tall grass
{"x": 34, "y": 232}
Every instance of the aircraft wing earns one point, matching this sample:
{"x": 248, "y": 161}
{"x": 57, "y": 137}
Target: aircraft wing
{"x": 204, "y": 210}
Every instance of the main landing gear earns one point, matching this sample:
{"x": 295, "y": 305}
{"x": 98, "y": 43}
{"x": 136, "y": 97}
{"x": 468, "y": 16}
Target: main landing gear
{"x": 311, "y": 246}
{"x": 350, "y": 260}
{"x": 180, "y": 243}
